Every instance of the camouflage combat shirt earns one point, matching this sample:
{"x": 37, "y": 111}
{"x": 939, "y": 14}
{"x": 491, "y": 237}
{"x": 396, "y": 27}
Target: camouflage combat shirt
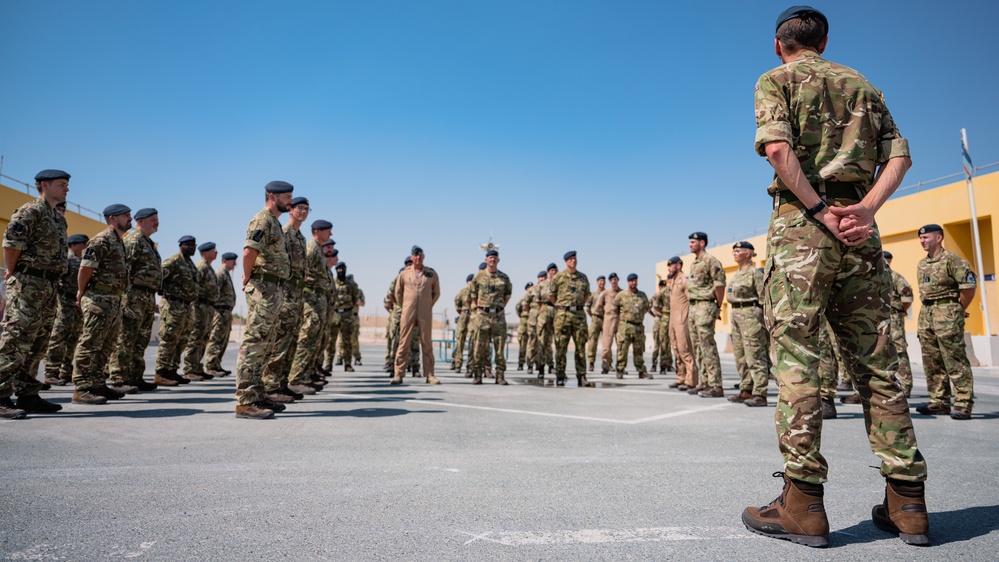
{"x": 145, "y": 266}
{"x": 39, "y": 231}
{"x": 105, "y": 254}
{"x": 706, "y": 273}
{"x": 901, "y": 292}
{"x": 570, "y": 289}
{"x": 264, "y": 235}
{"x": 746, "y": 286}
{"x": 180, "y": 278}
{"x": 489, "y": 290}
{"x": 944, "y": 276}
{"x": 631, "y": 306}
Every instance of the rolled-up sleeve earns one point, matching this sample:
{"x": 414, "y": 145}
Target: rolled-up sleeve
{"x": 772, "y": 115}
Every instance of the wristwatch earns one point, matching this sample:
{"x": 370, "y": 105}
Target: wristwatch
{"x": 814, "y": 210}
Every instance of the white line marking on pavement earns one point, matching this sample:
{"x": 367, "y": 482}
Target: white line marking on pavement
{"x": 601, "y": 536}
{"x": 533, "y": 413}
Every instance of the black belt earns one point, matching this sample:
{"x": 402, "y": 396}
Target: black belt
{"x": 570, "y": 308}
{"x": 833, "y": 191}
{"x": 595, "y": 315}
{"x": 177, "y": 300}
{"x": 47, "y": 274}
{"x": 223, "y": 308}
{"x": 108, "y": 289}
{"x": 633, "y": 322}
{"x": 744, "y": 304}
{"x": 144, "y": 289}
{"x": 491, "y": 310}
{"x": 695, "y": 301}
{"x": 296, "y": 283}
{"x": 547, "y": 304}
{"x": 342, "y": 310}
{"x": 944, "y": 300}
{"x": 267, "y": 277}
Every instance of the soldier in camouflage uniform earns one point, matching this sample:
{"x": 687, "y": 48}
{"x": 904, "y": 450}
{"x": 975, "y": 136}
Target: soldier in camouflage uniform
{"x": 319, "y": 372}
{"x": 35, "y": 256}
{"x": 662, "y": 351}
{"x": 145, "y": 271}
{"x": 489, "y": 294}
{"x": 631, "y": 306}
{"x": 278, "y": 366}
{"x": 265, "y": 270}
{"x": 523, "y": 309}
{"x": 825, "y": 129}
{"x": 473, "y": 333}
{"x": 102, "y": 279}
{"x": 946, "y": 288}
{"x": 218, "y": 340}
{"x": 546, "y": 323}
{"x": 68, "y": 321}
{"x": 180, "y": 290}
{"x": 596, "y": 322}
{"x": 355, "y": 334}
{"x": 315, "y": 294}
{"x": 345, "y": 297}
{"x": 202, "y": 312}
{"x": 461, "y": 324}
{"x": 532, "y": 324}
{"x": 901, "y": 300}
{"x": 392, "y": 327}
{"x": 569, "y": 292}
{"x": 749, "y": 339}
{"x": 705, "y": 291}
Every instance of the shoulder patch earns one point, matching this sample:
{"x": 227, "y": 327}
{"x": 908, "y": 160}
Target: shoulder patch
{"x": 16, "y": 227}
{"x": 88, "y": 254}
{"x": 971, "y": 278}
{"x": 257, "y": 235}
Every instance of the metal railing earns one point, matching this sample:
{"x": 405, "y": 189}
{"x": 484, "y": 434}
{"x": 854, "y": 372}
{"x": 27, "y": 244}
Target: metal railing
{"x": 80, "y": 209}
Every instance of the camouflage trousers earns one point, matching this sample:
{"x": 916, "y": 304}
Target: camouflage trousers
{"x": 522, "y": 341}
{"x": 263, "y": 304}
{"x": 197, "y": 340}
{"x": 596, "y": 327}
{"x": 128, "y": 362}
{"x": 749, "y": 344}
{"x": 570, "y": 326}
{"x": 341, "y": 326}
{"x": 315, "y": 315}
{"x": 175, "y": 321}
{"x": 101, "y": 323}
{"x": 662, "y": 350}
{"x": 902, "y": 349}
{"x": 391, "y": 333}
{"x": 414, "y": 343}
{"x": 218, "y": 339}
{"x": 278, "y": 367}
{"x": 355, "y": 339}
{"x": 703, "y": 315}
{"x": 63, "y": 339}
{"x": 490, "y": 332}
{"x": 546, "y": 336}
{"x": 829, "y": 362}
{"x": 810, "y": 276}
{"x": 945, "y": 358}
{"x": 532, "y": 338}
{"x": 27, "y": 323}
{"x": 631, "y": 334}
{"x": 460, "y": 335}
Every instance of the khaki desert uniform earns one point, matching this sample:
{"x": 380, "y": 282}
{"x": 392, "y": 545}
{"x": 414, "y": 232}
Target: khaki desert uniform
{"x": 609, "y": 330}
{"x": 416, "y": 291}
{"x": 679, "y": 331}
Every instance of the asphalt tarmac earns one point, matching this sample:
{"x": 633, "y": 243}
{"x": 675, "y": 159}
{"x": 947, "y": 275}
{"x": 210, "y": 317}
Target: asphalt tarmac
{"x": 628, "y": 469}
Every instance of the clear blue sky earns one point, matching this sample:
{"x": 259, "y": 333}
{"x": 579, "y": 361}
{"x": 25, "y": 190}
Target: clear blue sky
{"x": 611, "y": 128}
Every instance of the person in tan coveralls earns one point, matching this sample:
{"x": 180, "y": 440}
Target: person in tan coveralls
{"x": 417, "y": 289}
{"x": 608, "y": 335}
{"x": 679, "y": 332}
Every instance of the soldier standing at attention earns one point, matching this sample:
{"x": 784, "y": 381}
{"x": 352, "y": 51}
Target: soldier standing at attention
{"x": 631, "y": 306}
{"x": 68, "y": 321}
{"x": 265, "y": 270}
{"x": 826, "y": 130}
{"x": 946, "y": 287}
{"x": 749, "y": 335}
{"x": 473, "y": 332}
{"x": 145, "y": 273}
{"x": 345, "y": 297}
{"x": 461, "y": 325}
{"x": 102, "y": 280}
{"x": 705, "y": 291}
{"x": 315, "y": 295}
{"x": 417, "y": 290}
{"x": 901, "y": 300}
{"x": 532, "y": 324}
{"x": 34, "y": 251}
{"x": 661, "y": 348}
{"x": 596, "y": 322}
{"x": 180, "y": 291}
{"x": 523, "y": 309}
{"x": 608, "y": 334}
{"x": 679, "y": 327}
{"x": 218, "y": 340}
{"x": 489, "y": 293}
{"x": 203, "y": 310}
{"x": 546, "y": 322}
{"x": 392, "y": 329}
{"x": 355, "y": 334}
{"x": 570, "y": 291}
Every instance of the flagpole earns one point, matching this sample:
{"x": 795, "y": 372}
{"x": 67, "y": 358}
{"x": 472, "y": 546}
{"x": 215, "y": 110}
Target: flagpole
{"x": 968, "y": 172}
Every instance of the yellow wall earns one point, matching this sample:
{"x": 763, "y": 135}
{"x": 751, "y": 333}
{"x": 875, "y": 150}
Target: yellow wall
{"x": 898, "y": 220}
{"x": 11, "y": 199}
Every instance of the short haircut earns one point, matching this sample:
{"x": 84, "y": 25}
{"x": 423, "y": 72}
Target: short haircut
{"x": 805, "y": 31}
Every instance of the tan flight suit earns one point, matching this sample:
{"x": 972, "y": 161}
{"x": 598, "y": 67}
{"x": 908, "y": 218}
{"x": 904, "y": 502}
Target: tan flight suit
{"x": 416, "y": 291}
{"x": 679, "y": 332}
{"x": 609, "y": 332}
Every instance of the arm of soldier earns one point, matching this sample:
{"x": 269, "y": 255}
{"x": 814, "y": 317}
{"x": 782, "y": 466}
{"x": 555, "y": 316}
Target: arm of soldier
{"x": 400, "y": 283}
{"x": 435, "y": 290}
{"x": 966, "y": 296}
{"x": 858, "y": 220}
{"x": 10, "y": 258}
{"x": 82, "y": 279}
{"x": 508, "y": 290}
{"x": 552, "y": 291}
{"x": 249, "y": 259}
{"x": 785, "y": 163}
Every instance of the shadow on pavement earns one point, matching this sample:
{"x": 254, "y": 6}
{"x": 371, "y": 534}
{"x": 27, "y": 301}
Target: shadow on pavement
{"x": 958, "y": 525}
{"x": 137, "y": 414}
{"x": 358, "y": 413}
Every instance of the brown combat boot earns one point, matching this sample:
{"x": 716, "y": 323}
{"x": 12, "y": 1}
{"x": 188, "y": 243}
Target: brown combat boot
{"x": 934, "y": 410}
{"x": 161, "y": 380}
{"x": 794, "y": 516}
{"x": 828, "y": 409}
{"x": 55, "y": 381}
{"x": 712, "y": 392}
{"x": 193, "y": 377}
{"x": 501, "y": 379}
{"x": 432, "y": 380}
{"x": 696, "y": 389}
{"x": 280, "y": 398}
{"x": 252, "y": 412}
{"x": 741, "y": 397}
{"x": 903, "y": 512}
{"x": 756, "y": 401}
{"x": 86, "y": 397}
{"x": 396, "y": 379}
{"x": 301, "y": 389}
{"x": 851, "y": 399}
{"x": 476, "y": 379}
{"x": 10, "y": 412}
{"x": 644, "y": 375}
{"x": 960, "y": 413}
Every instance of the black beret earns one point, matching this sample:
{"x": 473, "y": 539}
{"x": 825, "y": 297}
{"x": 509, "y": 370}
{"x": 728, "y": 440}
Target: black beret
{"x": 482, "y": 266}
{"x": 662, "y": 282}
{"x": 334, "y": 253}
{"x": 551, "y": 266}
{"x": 743, "y": 245}
{"x": 542, "y": 274}
{"x": 116, "y": 209}
{"x": 299, "y": 201}
{"x": 416, "y": 250}
{"x": 186, "y": 239}
{"x": 350, "y": 276}
{"x": 49, "y": 175}
{"x": 77, "y": 239}
{"x": 698, "y": 236}
{"x": 407, "y": 261}
{"x": 61, "y": 204}
{"x": 931, "y": 228}
{"x": 206, "y": 247}
{"x": 674, "y": 259}
{"x": 229, "y": 256}
{"x": 342, "y": 265}
{"x": 569, "y": 254}
{"x": 322, "y": 225}
{"x": 146, "y": 212}
{"x": 279, "y": 187}
{"x": 492, "y": 253}
{"x": 797, "y": 12}
{"x": 528, "y": 286}
{"x": 613, "y": 276}
{"x": 886, "y": 254}
{"x": 328, "y": 243}
{"x": 632, "y": 277}
{"x": 599, "y": 277}
{"x": 470, "y": 277}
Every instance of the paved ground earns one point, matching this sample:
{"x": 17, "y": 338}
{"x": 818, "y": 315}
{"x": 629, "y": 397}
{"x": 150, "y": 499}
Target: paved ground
{"x": 365, "y": 471}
